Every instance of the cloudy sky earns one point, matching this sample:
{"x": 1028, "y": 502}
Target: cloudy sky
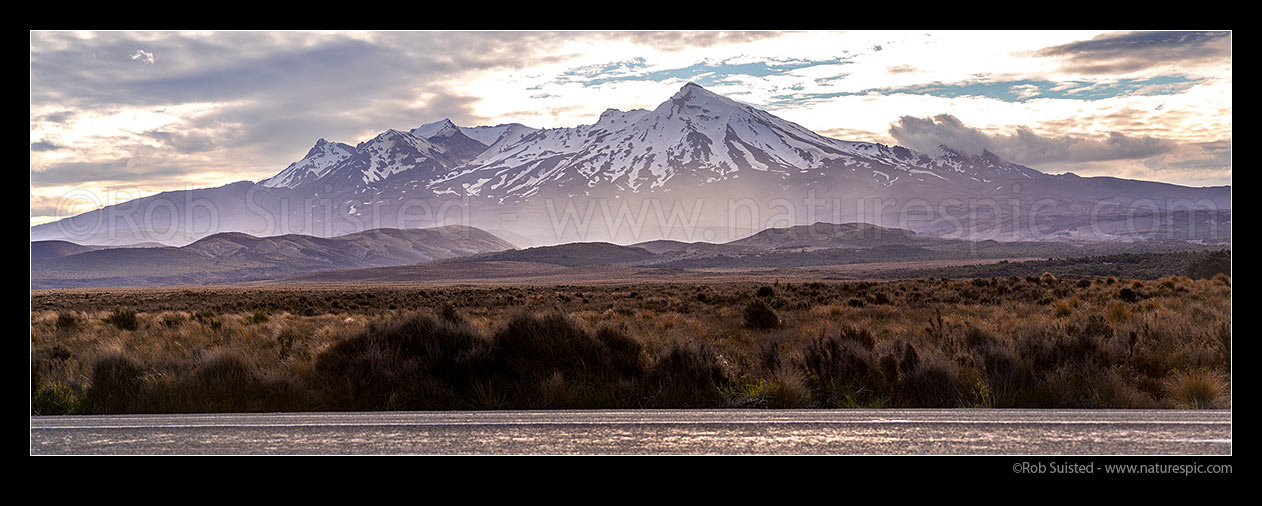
{"x": 119, "y": 115}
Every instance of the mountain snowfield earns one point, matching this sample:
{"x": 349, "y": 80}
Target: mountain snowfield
{"x": 699, "y": 166}
{"x": 696, "y": 133}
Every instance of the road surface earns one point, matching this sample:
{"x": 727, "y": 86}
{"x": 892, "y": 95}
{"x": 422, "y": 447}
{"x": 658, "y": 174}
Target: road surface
{"x": 839, "y": 432}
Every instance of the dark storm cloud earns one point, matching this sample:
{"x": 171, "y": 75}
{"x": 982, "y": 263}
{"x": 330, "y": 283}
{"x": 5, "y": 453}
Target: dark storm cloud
{"x": 1132, "y": 51}
{"x": 1025, "y": 146}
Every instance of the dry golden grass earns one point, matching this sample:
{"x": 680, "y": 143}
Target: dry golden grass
{"x": 1007, "y": 342}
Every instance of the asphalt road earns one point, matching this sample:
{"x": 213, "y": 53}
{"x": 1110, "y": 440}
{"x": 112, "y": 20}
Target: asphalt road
{"x": 886, "y": 431}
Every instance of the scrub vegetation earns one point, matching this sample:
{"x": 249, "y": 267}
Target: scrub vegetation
{"x": 1017, "y": 341}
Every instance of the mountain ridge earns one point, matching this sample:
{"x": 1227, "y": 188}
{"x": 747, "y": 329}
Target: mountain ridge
{"x": 695, "y": 151}
{"x": 235, "y": 256}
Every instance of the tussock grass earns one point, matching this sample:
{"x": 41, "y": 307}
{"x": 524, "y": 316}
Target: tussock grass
{"x": 1198, "y": 389}
{"x": 997, "y": 342}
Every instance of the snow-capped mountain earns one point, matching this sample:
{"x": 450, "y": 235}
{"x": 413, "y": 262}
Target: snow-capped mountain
{"x": 695, "y": 138}
{"x": 486, "y": 135}
{"x": 698, "y": 156}
{"x": 322, "y": 157}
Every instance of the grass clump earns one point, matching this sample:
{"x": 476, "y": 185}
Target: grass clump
{"x": 259, "y": 317}
{"x": 1197, "y": 389}
{"x": 68, "y": 322}
{"x": 124, "y": 319}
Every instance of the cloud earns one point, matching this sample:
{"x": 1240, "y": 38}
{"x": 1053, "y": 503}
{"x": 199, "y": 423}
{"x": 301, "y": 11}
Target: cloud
{"x": 185, "y": 142}
{"x": 243, "y": 105}
{"x": 1025, "y": 146}
{"x": 56, "y": 117}
{"x": 42, "y": 205}
{"x": 263, "y": 98}
{"x": 44, "y": 145}
{"x": 1026, "y": 91}
{"x": 675, "y": 41}
{"x": 1119, "y": 53}
{"x": 143, "y": 56}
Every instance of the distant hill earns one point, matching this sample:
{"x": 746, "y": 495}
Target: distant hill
{"x": 570, "y": 255}
{"x": 469, "y": 271}
{"x": 827, "y": 235}
{"x": 233, "y": 256}
{"x": 44, "y": 250}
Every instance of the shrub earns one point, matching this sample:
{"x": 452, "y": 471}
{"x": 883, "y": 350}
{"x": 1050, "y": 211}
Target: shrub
{"x": 56, "y": 399}
{"x": 450, "y": 313}
{"x": 859, "y": 335}
{"x": 259, "y": 317}
{"x": 172, "y": 320}
{"x": 840, "y": 369}
{"x": 418, "y": 362}
{"x": 766, "y": 291}
{"x": 597, "y": 369}
{"x": 976, "y": 337}
{"x": 116, "y": 385}
{"x": 1210, "y": 265}
{"x": 759, "y": 315}
{"x": 1007, "y": 375}
{"x": 687, "y": 377}
{"x": 67, "y": 321}
{"x": 224, "y": 383}
{"x": 124, "y": 319}
{"x": 931, "y": 384}
{"x": 534, "y": 346}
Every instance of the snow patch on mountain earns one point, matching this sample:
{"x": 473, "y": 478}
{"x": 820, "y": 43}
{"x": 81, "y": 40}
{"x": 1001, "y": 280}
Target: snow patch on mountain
{"x": 487, "y": 135}
{"x": 322, "y": 157}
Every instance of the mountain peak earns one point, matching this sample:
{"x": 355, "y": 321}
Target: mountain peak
{"x": 430, "y": 129}
{"x": 448, "y": 129}
{"x": 693, "y": 88}
{"x": 694, "y": 94}
{"x": 391, "y": 133}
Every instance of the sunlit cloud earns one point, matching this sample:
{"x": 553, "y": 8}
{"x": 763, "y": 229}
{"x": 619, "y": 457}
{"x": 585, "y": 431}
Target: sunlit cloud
{"x": 143, "y": 56}
{"x": 218, "y": 107}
